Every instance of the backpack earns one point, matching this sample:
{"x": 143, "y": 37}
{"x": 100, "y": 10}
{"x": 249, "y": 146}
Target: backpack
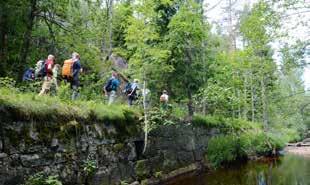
{"x": 42, "y": 69}
{"x": 128, "y": 88}
{"x": 28, "y": 75}
{"x": 108, "y": 86}
{"x": 67, "y": 68}
{"x": 49, "y": 67}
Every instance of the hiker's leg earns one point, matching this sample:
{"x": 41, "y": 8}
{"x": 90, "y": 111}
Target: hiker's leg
{"x": 112, "y": 97}
{"x": 41, "y": 92}
{"x": 75, "y": 88}
{"x": 48, "y": 85}
{"x": 130, "y": 101}
{"x": 45, "y": 87}
{"x": 74, "y": 92}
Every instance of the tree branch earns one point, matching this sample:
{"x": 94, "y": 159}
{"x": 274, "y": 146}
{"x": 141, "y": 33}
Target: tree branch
{"x": 55, "y": 22}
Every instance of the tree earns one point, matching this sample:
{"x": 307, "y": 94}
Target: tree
{"x": 187, "y": 32}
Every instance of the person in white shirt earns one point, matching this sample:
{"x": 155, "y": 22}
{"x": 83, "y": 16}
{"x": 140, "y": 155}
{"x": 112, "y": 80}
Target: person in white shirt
{"x": 164, "y": 100}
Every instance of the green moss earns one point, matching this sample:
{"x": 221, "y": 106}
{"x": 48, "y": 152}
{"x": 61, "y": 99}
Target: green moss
{"x": 158, "y": 174}
{"x": 14, "y": 137}
{"x": 144, "y": 182}
{"x": 29, "y": 106}
{"x": 51, "y": 110}
{"x": 142, "y": 169}
{"x": 118, "y": 147}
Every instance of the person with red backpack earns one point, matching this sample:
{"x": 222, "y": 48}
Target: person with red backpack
{"x": 48, "y": 75}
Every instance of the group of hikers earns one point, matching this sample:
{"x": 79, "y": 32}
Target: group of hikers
{"x": 50, "y": 73}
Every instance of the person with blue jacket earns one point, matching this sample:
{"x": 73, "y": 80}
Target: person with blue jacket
{"x": 111, "y": 87}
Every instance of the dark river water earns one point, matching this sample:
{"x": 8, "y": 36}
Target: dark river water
{"x": 288, "y": 170}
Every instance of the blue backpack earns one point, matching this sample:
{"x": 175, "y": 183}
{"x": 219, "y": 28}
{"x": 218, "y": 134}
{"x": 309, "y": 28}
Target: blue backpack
{"x": 28, "y": 75}
{"x": 112, "y": 85}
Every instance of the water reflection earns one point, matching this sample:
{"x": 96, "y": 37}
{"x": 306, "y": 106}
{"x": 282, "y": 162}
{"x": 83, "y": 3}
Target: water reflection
{"x": 289, "y": 170}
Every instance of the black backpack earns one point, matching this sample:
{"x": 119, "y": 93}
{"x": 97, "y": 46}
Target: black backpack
{"x": 128, "y": 88}
{"x": 108, "y": 85}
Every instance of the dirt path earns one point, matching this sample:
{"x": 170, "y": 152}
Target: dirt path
{"x": 304, "y": 151}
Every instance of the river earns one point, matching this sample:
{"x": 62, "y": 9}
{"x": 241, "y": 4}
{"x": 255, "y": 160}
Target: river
{"x": 288, "y": 170}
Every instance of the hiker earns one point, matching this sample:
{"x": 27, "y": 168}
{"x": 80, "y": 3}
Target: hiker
{"x": 39, "y": 69}
{"x": 28, "y": 75}
{"x": 111, "y": 87}
{"x": 48, "y": 75}
{"x": 76, "y": 69}
{"x": 56, "y": 71}
{"x": 164, "y": 100}
{"x": 131, "y": 91}
{"x": 70, "y": 73}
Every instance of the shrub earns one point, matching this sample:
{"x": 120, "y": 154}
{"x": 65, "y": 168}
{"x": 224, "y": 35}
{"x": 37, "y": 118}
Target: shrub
{"x": 227, "y": 148}
{"x": 89, "y": 167}
{"x": 6, "y": 82}
{"x": 227, "y": 125}
{"x": 222, "y": 149}
{"x": 42, "y": 179}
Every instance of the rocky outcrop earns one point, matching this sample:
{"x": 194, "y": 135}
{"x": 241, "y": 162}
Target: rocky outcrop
{"x": 65, "y": 149}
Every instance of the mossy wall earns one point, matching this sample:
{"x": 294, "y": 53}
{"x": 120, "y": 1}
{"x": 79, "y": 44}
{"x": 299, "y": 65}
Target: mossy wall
{"x": 63, "y": 148}
{"x": 90, "y": 143}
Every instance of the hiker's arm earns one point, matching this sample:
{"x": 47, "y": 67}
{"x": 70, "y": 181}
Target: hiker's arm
{"x": 133, "y": 90}
{"x": 76, "y": 68}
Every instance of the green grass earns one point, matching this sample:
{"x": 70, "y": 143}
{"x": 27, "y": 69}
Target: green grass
{"x": 225, "y": 124}
{"x": 28, "y": 106}
{"x": 241, "y": 139}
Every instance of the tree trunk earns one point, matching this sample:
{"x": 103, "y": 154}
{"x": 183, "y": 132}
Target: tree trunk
{"x": 264, "y": 102}
{"x": 52, "y": 35}
{"x": 146, "y": 128}
{"x": 232, "y": 34}
{"x": 110, "y": 27}
{"x": 27, "y": 38}
{"x": 107, "y": 44}
{"x": 252, "y": 99}
{"x": 245, "y": 94}
{"x": 190, "y": 104}
{"x": 3, "y": 35}
{"x": 239, "y": 106}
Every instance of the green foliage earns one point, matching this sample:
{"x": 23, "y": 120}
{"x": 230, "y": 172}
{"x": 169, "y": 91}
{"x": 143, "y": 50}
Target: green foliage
{"x": 30, "y": 87}
{"x": 229, "y": 125}
{"x": 64, "y": 92}
{"x": 222, "y": 149}
{"x": 7, "y": 82}
{"x": 42, "y": 179}
{"x": 228, "y": 148}
{"x": 157, "y": 117}
{"x": 89, "y": 167}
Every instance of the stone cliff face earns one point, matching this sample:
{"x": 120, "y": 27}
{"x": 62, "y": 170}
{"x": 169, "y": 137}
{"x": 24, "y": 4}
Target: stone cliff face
{"x": 31, "y": 146}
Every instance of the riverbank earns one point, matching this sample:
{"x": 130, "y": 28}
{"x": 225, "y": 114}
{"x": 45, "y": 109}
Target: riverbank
{"x": 88, "y": 142}
{"x": 303, "y": 151}
{"x": 301, "y": 148}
